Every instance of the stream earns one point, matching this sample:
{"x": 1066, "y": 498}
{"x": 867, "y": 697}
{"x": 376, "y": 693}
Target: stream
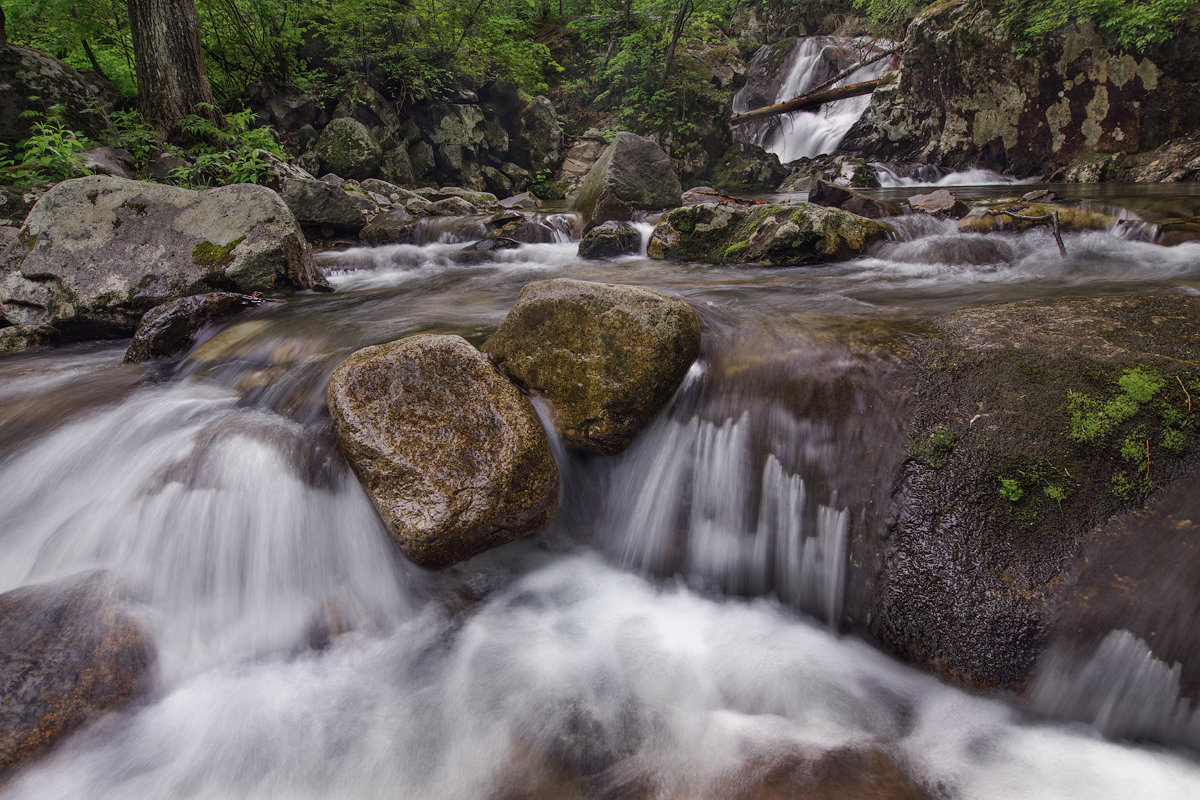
{"x": 671, "y": 633}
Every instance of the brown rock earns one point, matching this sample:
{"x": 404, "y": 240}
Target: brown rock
{"x": 607, "y": 357}
{"x": 453, "y": 456}
{"x": 824, "y": 193}
{"x": 941, "y": 203}
{"x": 68, "y": 652}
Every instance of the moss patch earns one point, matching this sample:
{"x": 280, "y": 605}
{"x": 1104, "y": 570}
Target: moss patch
{"x": 208, "y": 254}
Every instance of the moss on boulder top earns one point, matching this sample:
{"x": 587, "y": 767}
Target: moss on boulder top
{"x": 771, "y": 234}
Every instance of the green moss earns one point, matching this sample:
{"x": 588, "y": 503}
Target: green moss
{"x": 736, "y": 249}
{"x": 933, "y": 449}
{"x": 214, "y": 255}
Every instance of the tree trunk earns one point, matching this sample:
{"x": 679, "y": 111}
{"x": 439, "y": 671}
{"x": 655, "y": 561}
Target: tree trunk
{"x": 806, "y": 101}
{"x": 170, "y": 72}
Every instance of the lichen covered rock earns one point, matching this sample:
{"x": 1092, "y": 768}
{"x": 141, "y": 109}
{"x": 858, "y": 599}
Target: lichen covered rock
{"x": 998, "y": 216}
{"x": 96, "y": 253}
{"x": 770, "y": 234}
{"x": 608, "y": 358}
{"x": 346, "y": 148}
{"x": 451, "y": 453}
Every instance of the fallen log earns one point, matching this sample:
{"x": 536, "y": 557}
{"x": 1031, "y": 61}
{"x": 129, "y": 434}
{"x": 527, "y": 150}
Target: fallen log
{"x": 806, "y": 101}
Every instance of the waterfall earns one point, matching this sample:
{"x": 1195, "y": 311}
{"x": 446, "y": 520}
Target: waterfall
{"x": 813, "y": 61}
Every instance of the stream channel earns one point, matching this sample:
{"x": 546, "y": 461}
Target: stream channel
{"x": 667, "y": 634}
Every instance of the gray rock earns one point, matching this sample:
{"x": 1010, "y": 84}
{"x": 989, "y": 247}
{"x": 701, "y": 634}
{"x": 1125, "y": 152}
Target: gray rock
{"x": 164, "y": 163}
{"x": 941, "y": 203}
{"x": 347, "y": 148}
{"x": 96, "y": 253}
{"x": 390, "y": 227}
{"x": 536, "y": 145}
{"x": 633, "y": 174}
{"x": 31, "y": 81}
{"x": 451, "y": 453}
{"x": 320, "y": 204}
{"x": 608, "y": 358}
{"x": 522, "y": 200}
{"x": 746, "y": 167}
{"x": 171, "y": 329}
{"x": 109, "y": 161}
{"x": 69, "y": 651}
{"x": 609, "y": 240}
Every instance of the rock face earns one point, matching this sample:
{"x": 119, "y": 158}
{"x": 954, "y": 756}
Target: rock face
{"x": 68, "y": 653}
{"x": 170, "y": 329}
{"x": 608, "y": 358}
{"x": 1031, "y": 424}
{"x": 1072, "y": 98}
{"x": 609, "y": 240}
{"x": 346, "y": 148}
{"x": 96, "y": 253}
{"x": 451, "y": 453}
{"x": 839, "y": 169}
{"x": 769, "y": 234}
{"x": 633, "y": 174}
{"x": 33, "y": 81}
{"x": 746, "y": 167}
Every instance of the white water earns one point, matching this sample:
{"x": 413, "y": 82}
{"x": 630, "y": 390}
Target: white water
{"x": 970, "y": 177}
{"x": 578, "y": 651}
{"x": 804, "y": 134}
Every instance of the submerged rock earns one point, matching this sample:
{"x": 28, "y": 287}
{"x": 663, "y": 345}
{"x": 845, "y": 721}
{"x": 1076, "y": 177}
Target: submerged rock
{"x": 451, "y": 453}
{"x": 609, "y": 240}
{"x": 68, "y": 653}
{"x": 96, "y": 253}
{"x": 608, "y": 358}
{"x": 170, "y": 329}
{"x": 770, "y": 234}
{"x": 633, "y": 174}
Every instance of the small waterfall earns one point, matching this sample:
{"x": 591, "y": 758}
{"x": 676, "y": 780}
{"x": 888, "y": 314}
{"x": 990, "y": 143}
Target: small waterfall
{"x": 692, "y": 498}
{"x": 813, "y": 61}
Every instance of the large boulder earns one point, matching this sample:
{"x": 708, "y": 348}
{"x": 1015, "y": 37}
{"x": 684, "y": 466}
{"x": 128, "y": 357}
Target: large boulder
{"x": 320, "y": 204}
{"x": 1029, "y": 425}
{"x": 69, "y": 652}
{"x": 608, "y": 358}
{"x": 536, "y": 144}
{"x": 346, "y": 148}
{"x": 839, "y": 169}
{"x": 633, "y": 174}
{"x": 96, "y": 253}
{"x": 31, "y": 83}
{"x": 171, "y": 329}
{"x": 770, "y": 234}
{"x": 451, "y": 453}
{"x": 746, "y": 167}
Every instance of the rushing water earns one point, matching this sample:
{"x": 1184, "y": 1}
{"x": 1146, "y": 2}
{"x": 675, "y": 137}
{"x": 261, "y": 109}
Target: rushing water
{"x": 668, "y": 636}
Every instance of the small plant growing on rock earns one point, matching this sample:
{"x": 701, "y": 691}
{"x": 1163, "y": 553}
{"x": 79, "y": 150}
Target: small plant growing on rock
{"x": 1010, "y": 489}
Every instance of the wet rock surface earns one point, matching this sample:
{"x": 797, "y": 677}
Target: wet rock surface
{"x": 96, "y": 253}
{"x": 633, "y": 174}
{"x": 171, "y": 329}
{"x": 824, "y": 193}
{"x": 772, "y": 234}
{"x": 68, "y": 653}
{"x": 1000, "y": 485}
{"x": 609, "y": 240}
{"x": 451, "y": 453}
{"x": 607, "y": 357}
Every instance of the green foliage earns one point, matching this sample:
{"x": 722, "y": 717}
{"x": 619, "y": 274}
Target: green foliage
{"x": 1010, "y": 489}
{"x": 51, "y": 153}
{"x": 933, "y": 450}
{"x": 889, "y": 12}
{"x": 1092, "y": 421}
{"x": 233, "y": 152}
{"x": 1132, "y": 24}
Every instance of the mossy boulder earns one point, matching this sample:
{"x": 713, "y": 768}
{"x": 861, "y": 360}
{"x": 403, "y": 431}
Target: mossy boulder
{"x": 746, "y": 167}
{"x": 69, "y": 651}
{"x": 633, "y": 174}
{"x": 451, "y": 453}
{"x": 96, "y": 253}
{"x": 842, "y": 170}
{"x": 1030, "y": 425}
{"x": 997, "y": 216}
{"x": 346, "y": 148}
{"x": 609, "y": 240}
{"x": 607, "y": 357}
{"x": 769, "y": 234}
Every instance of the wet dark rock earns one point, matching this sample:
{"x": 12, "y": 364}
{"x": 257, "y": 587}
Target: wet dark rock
{"x": 941, "y": 203}
{"x": 839, "y": 169}
{"x": 451, "y": 453}
{"x": 170, "y": 329}
{"x": 483, "y": 250}
{"x": 825, "y": 193}
{"x": 770, "y": 234}
{"x": 109, "y": 161}
{"x": 609, "y": 240}
{"x": 319, "y": 204}
{"x": 608, "y": 358}
{"x": 96, "y": 253}
{"x": 390, "y": 227}
{"x": 996, "y": 506}
{"x": 347, "y": 149}
{"x": 69, "y": 652}
{"x": 164, "y": 164}
{"x": 535, "y": 146}
{"x": 523, "y": 227}
{"x": 1177, "y": 231}
{"x": 633, "y": 174}
{"x": 746, "y": 167}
